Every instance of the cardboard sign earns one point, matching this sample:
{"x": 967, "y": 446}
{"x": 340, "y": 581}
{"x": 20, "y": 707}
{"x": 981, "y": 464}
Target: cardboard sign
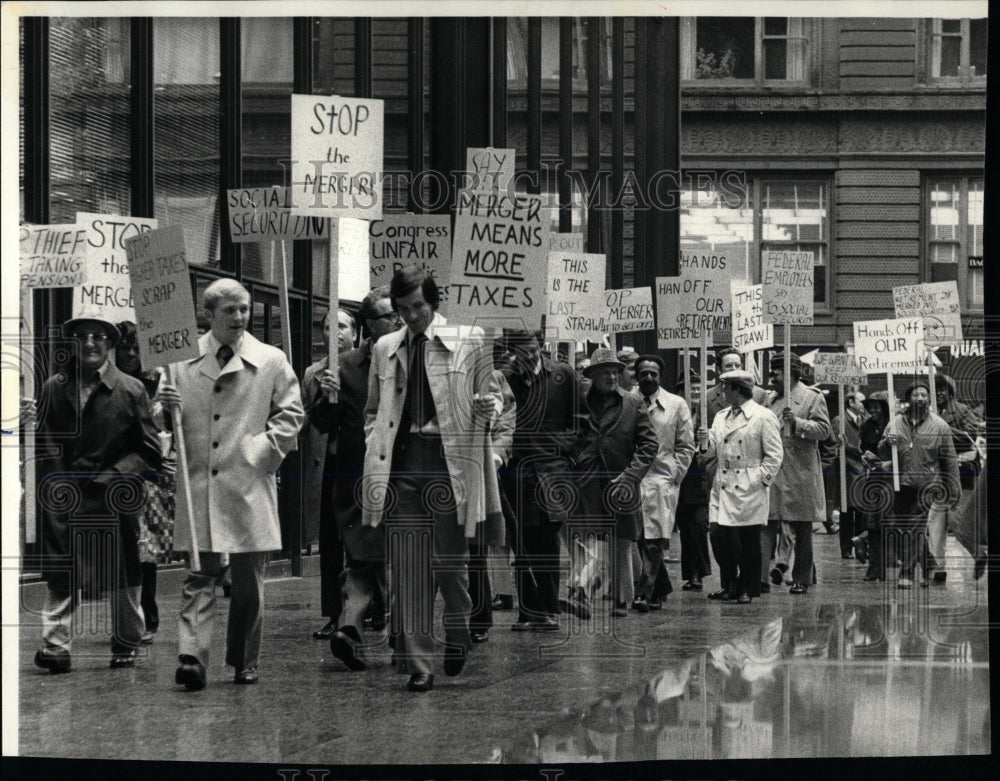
{"x": 53, "y": 256}
{"x": 337, "y": 156}
{"x": 161, "y": 292}
{"x": 838, "y": 369}
{"x": 499, "y": 261}
{"x": 576, "y": 296}
{"x": 353, "y": 262}
{"x": 890, "y": 346}
{"x": 490, "y": 169}
{"x": 938, "y": 304}
{"x": 629, "y": 309}
{"x": 750, "y": 332}
{"x": 565, "y": 242}
{"x": 788, "y": 287}
{"x": 423, "y": 239}
{"x": 108, "y": 291}
{"x": 688, "y": 305}
{"x": 265, "y": 214}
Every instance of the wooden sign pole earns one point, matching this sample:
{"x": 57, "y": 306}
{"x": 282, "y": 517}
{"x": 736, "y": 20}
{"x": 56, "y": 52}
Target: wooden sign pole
{"x": 28, "y": 357}
{"x": 687, "y": 376}
{"x": 333, "y": 361}
{"x": 286, "y": 313}
{"x": 843, "y": 449}
{"x": 787, "y": 371}
{"x": 182, "y": 465}
{"x": 931, "y": 380}
{"x": 703, "y": 380}
{"x": 892, "y": 419}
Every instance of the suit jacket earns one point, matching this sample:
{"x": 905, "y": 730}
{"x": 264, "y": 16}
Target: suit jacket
{"x": 539, "y": 471}
{"x": 748, "y": 453}
{"x": 239, "y": 424}
{"x": 797, "y": 493}
{"x": 671, "y": 421}
{"x": 458, "y": 364}
{"x": 91, "y": 462}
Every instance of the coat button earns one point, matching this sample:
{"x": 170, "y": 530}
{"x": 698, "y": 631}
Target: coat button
{"x": 723, "y": 471}
{"x": 215, "y": 444}
{"x": 218, "y": 389}
{"x": 391, "y": 424}
{"x": 381, "y": 458}
{"x": 215, "y": 472}
{"x": 216, "y": 417}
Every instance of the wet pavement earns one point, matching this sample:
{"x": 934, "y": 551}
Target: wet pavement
{"x": 849, "y": 669}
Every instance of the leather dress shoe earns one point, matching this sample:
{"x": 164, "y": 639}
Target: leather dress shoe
{"x": 190, "y": 674}
{"x": 871, "y": 578}
{"x": 53, "y": 658}
{"x": 765, "y": 588}
{"x": 545, "y": 624}
{"x": 522, "y": 625}
{"x": 123, "y": 660}
{"x": 940, "y": 576}
{"x": 420, "y": 682}
{"x": 454, "y": 660}
{"x": 640, "y": 604}
{"x": 246, "y": 676}
{"x": 147, "y": 637}
{"x": 743, "y": 599}
{"x": 722, "y": 596}
{"x": 798, "y": 588}
{"x": 480, "y": 635}
{"x": 694, "y": 584}
{"x": 326, "y": 632}
{"x": 346, "y": 646}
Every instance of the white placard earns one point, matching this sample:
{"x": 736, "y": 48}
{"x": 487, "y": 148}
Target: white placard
{"x": 688, "y": 305}
{"x": 938, "y": 304}
{"x": 353, "y": 260}
{"x": 890, "y": 346}
{"x": 337, "y": 160}
{"x": 490, "y": 169}
{"x": 161, "y": 292}
{"x": 628, "y": 309}
{"x": 565, "y": 242}
{"x": 53, "y": 256}
{"x": 265, "y": 214}
{"x": 787, "y": 278}
{"x": 422, "y": 239}
{"x": 107, "y": 293}
{"x": 750, "y": 332}
{"x": 838, "y": 369}
{"x": 576, "y": 296}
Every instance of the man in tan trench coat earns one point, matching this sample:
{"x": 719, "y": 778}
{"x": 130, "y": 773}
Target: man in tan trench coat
{"x": 241, "y": 411}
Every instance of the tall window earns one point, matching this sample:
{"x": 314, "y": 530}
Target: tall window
{"x": 517, "y": 49}
{"x": 955, "y": 235}
{"x": 958, "y": 50}
{"x": 769, "y": 214}
{"x": 745, "y": 50}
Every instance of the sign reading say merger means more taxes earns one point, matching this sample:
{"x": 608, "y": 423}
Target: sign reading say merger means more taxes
{"x": 499, "y": 261}
{"x": 337, "y": 156}
{"x": 161, "y": 291}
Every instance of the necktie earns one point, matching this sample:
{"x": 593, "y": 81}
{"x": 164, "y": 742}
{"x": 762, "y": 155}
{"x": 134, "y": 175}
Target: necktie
{"x": 418, "y": 390}
{"x": 734, "y": 411}
{"x": 223, "y": 354}
{"x": 649, "y": 401}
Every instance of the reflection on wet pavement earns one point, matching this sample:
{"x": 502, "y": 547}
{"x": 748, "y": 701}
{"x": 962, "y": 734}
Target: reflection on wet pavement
{"x": 827, "y": 681}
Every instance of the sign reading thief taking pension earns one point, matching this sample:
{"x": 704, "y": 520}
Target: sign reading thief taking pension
{"x": 499, "y": 261}
{"x": 53, "y": 256}
{"x": 337, "y": 156}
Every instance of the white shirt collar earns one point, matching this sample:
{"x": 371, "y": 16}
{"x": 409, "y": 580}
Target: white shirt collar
{"x": 214, "y": 344}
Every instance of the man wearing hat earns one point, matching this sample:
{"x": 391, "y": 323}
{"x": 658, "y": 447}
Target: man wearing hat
{"x": 96, "y": 442}
{"x": 727, "y": 359}
{"x": 746, "y": 442}
{"x": 798, "y": 499}
{"x": 928, "y": 474}
{"x": 613, "y": 455}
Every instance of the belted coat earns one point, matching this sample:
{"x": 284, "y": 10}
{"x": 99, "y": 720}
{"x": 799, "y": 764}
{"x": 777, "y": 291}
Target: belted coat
{"x": 671, "y": 420}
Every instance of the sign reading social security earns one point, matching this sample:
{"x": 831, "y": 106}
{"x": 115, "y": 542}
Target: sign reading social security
{"x": 265, "y": 214}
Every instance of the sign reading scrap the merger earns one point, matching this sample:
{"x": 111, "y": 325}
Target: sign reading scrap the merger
{"x": 53, "y": 255}
{"x": 838, "y": 369}
{"x": 161, "y": 291}
{"x": 422, "y": 239}
{"x": 499, "y": 260}
{"x": 265, "y": 214}
{"x": 576, "y": 296}
{"x": 938, "y": 304}
{"x": 108, "y": 291}
{"x": 629, "y": 309}
{"x": 750, "y": 332}
{"x": 889, "y": 346}
{"x": 788, "y": 287}
{"x": 337, "y": 156}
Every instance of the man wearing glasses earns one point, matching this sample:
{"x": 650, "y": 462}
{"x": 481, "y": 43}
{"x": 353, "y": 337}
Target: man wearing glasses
{"x": 96, "y": 442}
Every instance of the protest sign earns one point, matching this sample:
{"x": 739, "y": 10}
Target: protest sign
{"x": 490, "y": 169}
{"x": 628, "y": 309}
{"x": 353, "y": 264}
{"x": 576, "y": 296}
{"x": 108, "y": 291}
{"x": 265, "y": 214}
{"x": 787, "y": 278}
{"x": 887, "y": 346}
{"x": 499, "y": 261}
{"x": 689, "y": 304}
{"x": 750, "y": 332}
{"x": 423, "y": 239}
{"x": 838, "y": 369}
{"x": 337, "y": 156}
{"x": 565, "y": 242}
{"x": 53, "y": 256}
{"x": 161, "y": 292}
{"x": 938, "y": 304}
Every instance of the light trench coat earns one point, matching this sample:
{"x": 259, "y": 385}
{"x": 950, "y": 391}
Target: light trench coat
{"x": 671, "y": 420}
{"x": 748, "y": 455}
{"x": 459, "y": 364}
{"x": 239, "y": 424}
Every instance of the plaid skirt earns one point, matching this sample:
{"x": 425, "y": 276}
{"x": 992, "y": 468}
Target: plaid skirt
{"x": 156, "y": 521}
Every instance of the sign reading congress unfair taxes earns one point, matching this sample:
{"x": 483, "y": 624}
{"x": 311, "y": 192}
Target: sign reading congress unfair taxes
{"x": 750, "y": 332}
{"x": 884, "y": 346}
{"x": 161, "y": 291}
{"x": 576, "y": 296}
{"x": 265, "y": 214}
{"x": 53, "y": 256}
{"x": 938, "y": 304}
{"x": 337, "y": 156}
{"x": 628, "y": 309}
{"x": 108, "y": 291}
{"x": 838, "y": 369}
{"x": 787, "y": 278}
{"x": 422, "y": 239}
{"x": 499, "y": 261}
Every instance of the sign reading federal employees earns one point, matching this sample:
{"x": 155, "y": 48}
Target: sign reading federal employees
{"x": 788, "y": 287}
{"x": 337, "y": 156}
{"x": 161, "y": 291}
{"x": 108, "y": 291}
{"x": 53, "y": 256}
{"x": 499, "y": 261}
{"x": 265, "y": 214}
